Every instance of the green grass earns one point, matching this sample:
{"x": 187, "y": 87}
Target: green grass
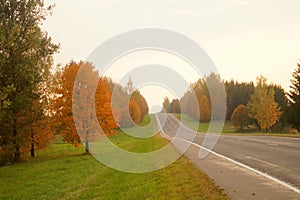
{"x": 146, "y": 130}
{"x": 193, "y": 124}
{"x": 65, "y": 172}
{"x": 138, "y": 145}
{"x": 147, "y": 120}
{"x": 228, "y": 128}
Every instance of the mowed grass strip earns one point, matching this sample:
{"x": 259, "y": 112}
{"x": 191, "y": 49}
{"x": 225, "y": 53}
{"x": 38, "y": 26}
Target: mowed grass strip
{"x": 228, "y": 128}
{"x": 65, "y": 172}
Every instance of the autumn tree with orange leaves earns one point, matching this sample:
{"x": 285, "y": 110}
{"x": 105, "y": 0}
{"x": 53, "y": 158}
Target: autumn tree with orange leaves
{"x": 63, "y": 118}
{"x": 40, "y": 127}
{"x": 92, "y": 95}
{"x": 205, "y": 109}
{"x": 175, "y": 105}
{"x": 141, "y": 101}
{"x": 135, "y": 111}
{"x": 129, "y": 105}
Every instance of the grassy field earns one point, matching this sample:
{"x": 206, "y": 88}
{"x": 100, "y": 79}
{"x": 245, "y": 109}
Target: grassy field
{"x": 203, "y": 127}
{"x": 228, "y": 128}
{"x": 65, "y": 172}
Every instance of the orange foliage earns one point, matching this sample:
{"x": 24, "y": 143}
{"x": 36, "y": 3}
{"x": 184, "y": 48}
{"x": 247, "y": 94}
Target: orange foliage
{"x": 90, "y": 99}
{"x": 104, "y": 109}
{"x": 141, "y": 101}
{"x": 135, "y": 111}
{"x": 63, "y": 119}
{"x": 128, "y": 104}
{"x": 204, "y": 108}
{"x": 176, "y": 106}
{"x": 41, "y": 134}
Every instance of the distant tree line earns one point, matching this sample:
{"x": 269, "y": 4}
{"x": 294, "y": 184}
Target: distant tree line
{"x": 171, "y": 107}
{"x": 264, "y": 105}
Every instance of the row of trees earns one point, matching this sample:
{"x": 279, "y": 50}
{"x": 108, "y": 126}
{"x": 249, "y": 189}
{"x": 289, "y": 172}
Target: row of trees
{"x": 115, "y": 106}
{"x": 53, "y": 112}
{"x": 197, "y": 98}
{"x": 137, "y": 106}
{"x": 262, "y": 107}
{"x": 36, "y": 103}
{"x": 262, "y": 104}
{"x": 171, "y": 107}
{"x": 240, "y": 94}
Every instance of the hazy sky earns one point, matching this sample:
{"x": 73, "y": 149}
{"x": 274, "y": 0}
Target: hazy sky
{"x": 244, "y": 38}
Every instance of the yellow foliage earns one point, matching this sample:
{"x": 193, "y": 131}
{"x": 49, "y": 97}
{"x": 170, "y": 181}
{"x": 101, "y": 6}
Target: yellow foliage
{"x": 205, "y": 109}
{"x": 262, "y": 105}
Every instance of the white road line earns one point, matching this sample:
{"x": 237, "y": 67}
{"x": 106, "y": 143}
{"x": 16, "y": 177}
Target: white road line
{"x": 238, "y": 163}
{"x": 262, "y": 161}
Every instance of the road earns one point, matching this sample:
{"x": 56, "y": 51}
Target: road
{"x": 278, "y": 157}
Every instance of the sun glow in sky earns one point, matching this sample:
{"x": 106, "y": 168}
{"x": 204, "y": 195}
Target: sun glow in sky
{"x": 244, "y": 38}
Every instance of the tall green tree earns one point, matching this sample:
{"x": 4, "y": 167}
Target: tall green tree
{"x": 280, "y": 97}
{"x": 294, "y": 100}
{"x": 237, "y": 93}
{"x": 262, "y": 105}
{"x": 4, "y": 101}
{"x": 25, "y": 60}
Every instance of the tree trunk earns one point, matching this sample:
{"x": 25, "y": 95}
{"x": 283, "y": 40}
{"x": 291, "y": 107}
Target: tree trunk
{"x": 32, "y": 150}
{"x": 87, "y": 147}
{"x": 16, "y": 145}
{"x": 32, "y": 154}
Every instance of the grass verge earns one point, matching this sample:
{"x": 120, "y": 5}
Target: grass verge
{"x": 228, "y": 128}
{"x": 64, "y": 172}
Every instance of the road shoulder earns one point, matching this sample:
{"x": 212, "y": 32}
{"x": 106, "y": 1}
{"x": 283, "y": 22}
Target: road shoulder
{"x": 238, "y": 182}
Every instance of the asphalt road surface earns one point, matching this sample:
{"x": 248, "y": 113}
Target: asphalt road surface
{"x": 278, "y": 157}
